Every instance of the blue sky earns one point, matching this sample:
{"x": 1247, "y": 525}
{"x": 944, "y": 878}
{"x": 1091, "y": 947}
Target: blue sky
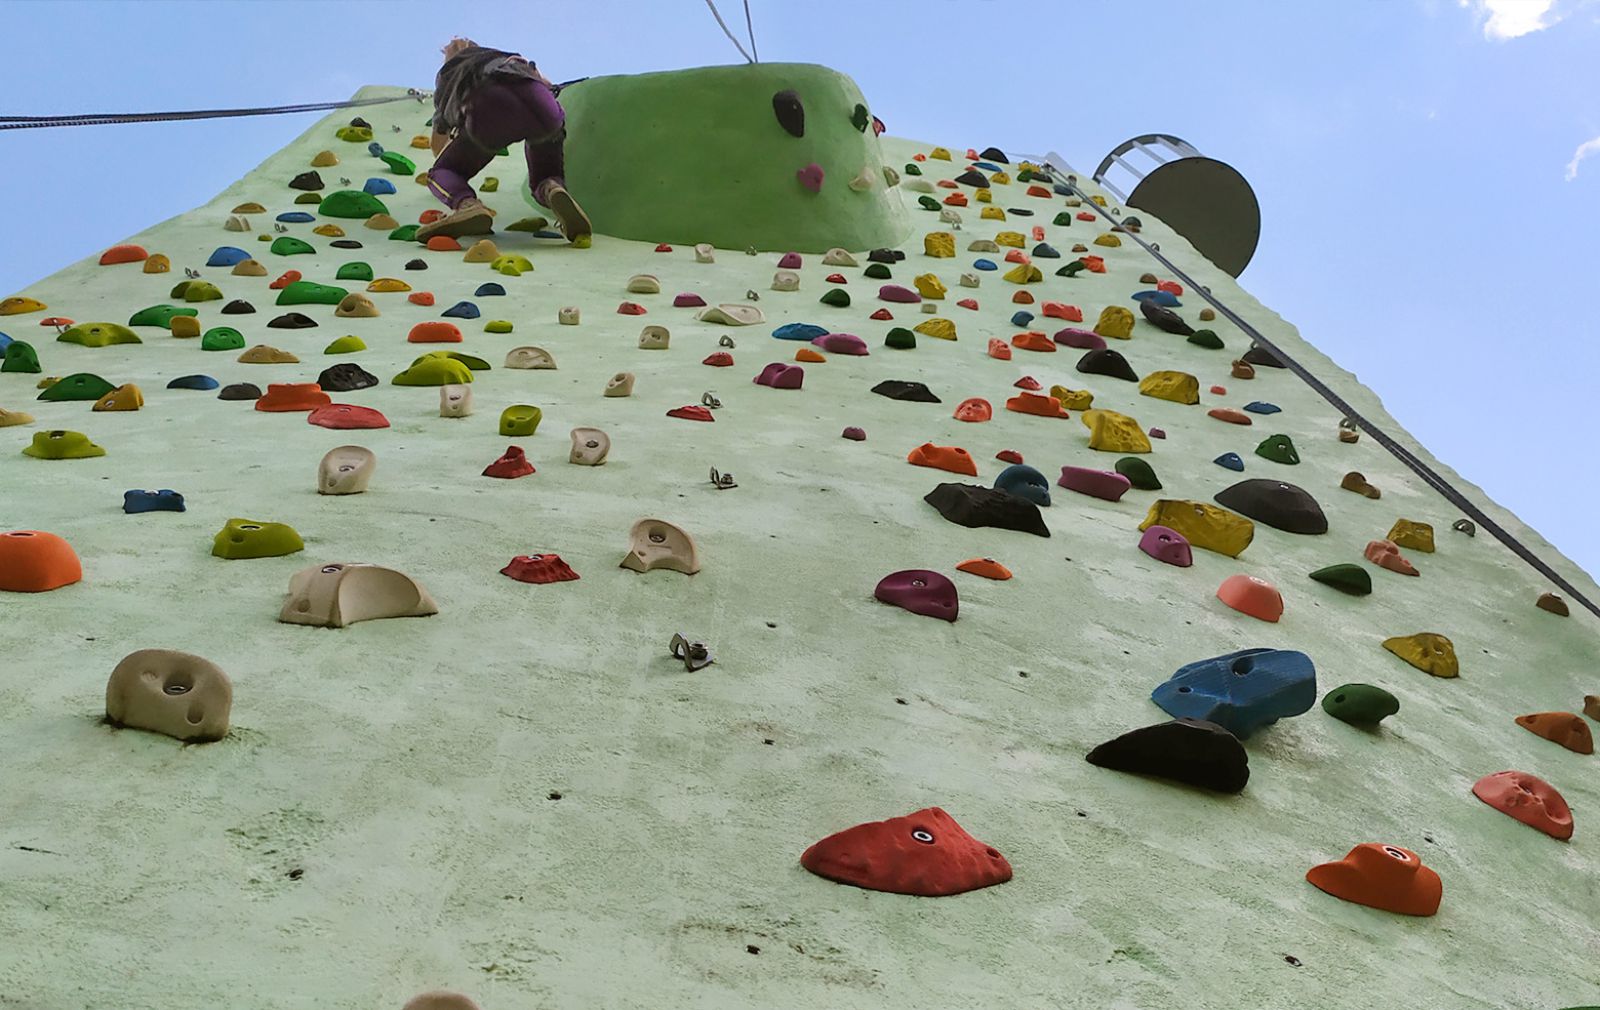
{"x": 1428, "y": 170}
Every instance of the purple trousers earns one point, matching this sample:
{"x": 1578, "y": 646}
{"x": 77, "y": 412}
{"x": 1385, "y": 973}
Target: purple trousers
{"x": 500, "y": 114}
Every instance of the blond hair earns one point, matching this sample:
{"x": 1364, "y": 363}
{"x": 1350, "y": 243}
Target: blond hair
{"x": 456, "y": 45}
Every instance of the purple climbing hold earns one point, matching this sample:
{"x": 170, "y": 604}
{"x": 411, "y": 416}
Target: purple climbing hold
{"x": 1158, "y": 433}
{"x": 1082, "y": 339}
{"x": 779, "y": 375}
{"x": 1107, "y": 484}
{"x": 789, "y": 261}
{"x": 841, "y": 343}
{"x": 1167, "y": 545}
{"x": 854, "y": 434}
{"x": 687, "y": 300}
{"x": 898, "y": 293}
{"x": 921, "y": 592}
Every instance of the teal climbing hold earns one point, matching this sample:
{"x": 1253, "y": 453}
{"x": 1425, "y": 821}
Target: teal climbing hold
{"x": 350, "y": 203}
{"x": 837, "y": 297}
{"x": 311, "y": 293}
{"x": 1352, "y": 579}
{"x": 1207, "y": 339}
{"x": 1140, "y": 474}
{"x": 160, "y": 315}
{"x": 222, "y": 338}
{"x": 1360, "y": 704}
{"x": 288, "y": 245}
{"x": 20, "y": 357}
{"x": 78, "y": 386}
{"x": 901, "y": 339}
{"x": 1278, "y": 448}
{"x": 398, "y": 163}
{"x": 353, "y": 272}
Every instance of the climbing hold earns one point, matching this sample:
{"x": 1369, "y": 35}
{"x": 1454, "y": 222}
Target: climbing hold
{"x": 1209, "y": 340}
{"x": 1008, "y": 456}
{"x": 899, "y": 389}
{"x": 1253, "y": 596}
{"x": 346, "y": 469}
{"x": 1024, "y": 482}
{"x": 1167, "y": 545}
{"x": 123, "y": 254}
{"x": 998, "y": 349}
{"x": 1351, "y": 579}
{"x": 1037, "y": 404}
{"x": 356, "y": 305}
{"x": 687, "y": 300}
{"x": 1110, "y": 431}
{"x": 810, "y": 177}
{"x": 693, "y": 412}
{"x": 943, "y": 457}
{"x": 160, "y": 315}
{"x": 520, "y": 420}
{"x": 854, "y": 434}
{"x": 455, "y": 401}
{"x": 841, "y": 343}
{"x": 1591, "y": 706}
{"x": 1032, "y": 340}
{"x": 938, "y": 328}
{"x": 644, "y": 284}
{"x": 238, "y": 307}
{"x": 654, "y": 338}
{"x": 1529, "y": 799}
{"x": 193, "y": 382}
{"x": 1190, "y": 751}
{"x": 1360, "y": 704}
{"x": 1164, "y": 318}
{"x": 288, "y": 245}
{"x": 185, "y": 326}
{"x": 1081, "y": 339}
{"x": 33, "y": 561}
{"x": 940, "y": 244}
{"x": 1565, "y": 728}
{"x": 1279, "y": 449}
{"x": 1413, "y": 536}
{"x": 431, "y": 371}
{"x": 293, "y": 396}
{"x": 1262, "y": 356}
{"x": 1230, "y": 460}
{"x": 529, "y": 357}
{"x": 1431, "y": 653}
{"x": 159, "y": 263}
{"x": 497, "y": 326}
{"x": 344, "y": 377}
{"x": 1241, "y": 691}
{"x": 1354, "y": 481}
{"x": 461, "y": 310}
{"x": 1279, "y": 504}
{"x": 1165, "y": 299}
{"x": 1551, "y": 603}
{"x": 1115, "y": 321}
{"x": 248, "y": 538}
{"x": 781, "y": 376}
{"x": 266, "y": 354}
{"x": 100, "y": 334}
{"x": 1463, "y": 526}
{"x": 1139, "y": 473}
{"x": 126, "y": 397}
{"x": 1104, "y": 484}
{"x": 654, "y": 543}
{"x": 513, "y": 463}
{"x": 434, "y": 333}
{"x": 1386, "y": 554}
{"x": 173, "y": 693}
{"x": 620, "y": 384}
{"x": 837, "y": 297}
{"x": 383, "y": 187}
{"x": 1203, "y": 525}
{"x": 345, "y": 416}
{"x": 928, "y": 286}
{"x": 539, "y": 569}
{"x": 341, "y": 594}
{"x": 1385, "y": 877}
{"x": 1258, "y": 407}
{"x": 924, "y": 853}
{"x": 1178, "y": 387}
{"x": 732, "y": 314}
{"x": 78, "y": 386}
{"x": 165, "y": 500}
{"x": 240, "y": 391}
{"x": 1105, "y": 361}
{"x": 929, "y": 594}
{"x": 974, "y": 507}
{"x": 987, "y": 568}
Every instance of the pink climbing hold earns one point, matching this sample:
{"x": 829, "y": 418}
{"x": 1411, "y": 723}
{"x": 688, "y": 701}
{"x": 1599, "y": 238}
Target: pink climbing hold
{"x": 1386, "y": 554}
{"x": 898, "y": 293}
{"x": 854, "y": 434}
{"x": 630, "y": 309}
{"x": 811, "y": 177}
{"x": 1029, "y": 383}
{"x": 1171, "y": 288}
{"x": 841, "y": 343}
{"x": 1168, "y": 546}
{"x": 687, "y": 300}
{"x": 780, "y": 375}
{"x": 921, "y": 592}
{"x": 999, "y": 349}
{"x": 1081, "y": 339}
{"x": 1106, "y": 484}
{"x": 789, "y": 261}
{"x": 1158, "y": 433}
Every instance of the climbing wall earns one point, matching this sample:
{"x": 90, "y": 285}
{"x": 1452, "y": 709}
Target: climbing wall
{"x": 527, "y": 797}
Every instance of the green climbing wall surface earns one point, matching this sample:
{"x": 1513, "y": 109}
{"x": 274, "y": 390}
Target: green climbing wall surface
{"x": 384, "y": 817}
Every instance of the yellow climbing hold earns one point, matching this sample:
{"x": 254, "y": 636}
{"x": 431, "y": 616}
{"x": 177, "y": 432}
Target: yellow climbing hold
{"x": 249, "y": 268}
{"x": 1168, "y": 384}
{"x": 512, "y": 265}
{"x": 158, "y": 263}
{"x": 982, "y": 195}
{"x": 420, "y": 142}
{"x": 1024, "y": 273}
{"x": 1108, "y": 240}
{"x": 939, "y": 243}
{"x": 122, "y": 398}
{"x": 1115, "y": 321}
{"x": 1110, "y": 431}
{"x": 1000, "y": 179}
{"x": 248, "y": 208}
{"x": 1072, "y": 399}
{"x": 185, "y": 326}
{"x": 1014, "y": 239}
{"x": 1431, "y": 653}
{"x": 490, "y": 184}
{"x": 324, "y": 159}
{"x": 388, "y": 285}
{"x": 1203, "y": 525}
{"x": 17, "y": 305}
{"x": 992, "y": 214}
{"x": 497, "y": 326}
{"x": 354, "y": 134}
{"x": 929, "y": 286}
{"x": 1411, "y": 535}
{"x": 940, "y": 153}
{"x": 422, "y": 178}
{"x": 1099, "y": 200}
{"x": 266, "y": 354}
{"x": 938, "y": 327}
{"x": 328, "y": 231}
{"x": 482, "y": 251}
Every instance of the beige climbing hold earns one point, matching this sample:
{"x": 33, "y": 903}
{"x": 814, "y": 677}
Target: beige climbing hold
{"x": 266, "y": 354}
{"x": 969, "y": 280}
{"x": 328, "y": 231}
{"x": 529, "y": 357}
{"x": 455, "y": 400}
{"x": 174, "y": 693}
{"x": 654, "y": 338}
{"x": 862, "y": 181}
{"x": 1108, "y": 240}
{"x": 249, "y": 208}
{"x": 236, "y": 222}
{"x": 128, "y": 397}
{"x": 324, "y": 159}
{"x": 705, "y": 252}
{"x": 1354, "y": 481}
{"x": 837, "y": 257}
{"x": 1168, "y": 384}
{"x": 356, "y": 305}
{"x": 1110, "y": 431}
{"x": 939, "y": 329}
{"x": 185, "y": 326}
{"x": 158, "y": 263}
{"x": 1431, "y": 653}
{"x": 950, "y": 216}
{"x": 620, "y": 384}
{"x": 567, "y": 315}
{"x": 917, "y": 184}
{"x": 1013, "y": 239}
{"x": 381, "y": 222}
{"x": 1115, "y": 321}
{"x": 1203, "y": 525}
{"x": 785, "y": 280}
{"x": 10, "y": 418}
{"x": 346, "y": 469}
{"x": 941, "y": 244}
{"x": 1413, "y": 536}
{"x": 340, "y": 594}
{"x": 929, "y": 286}
{"x": 481, "y": 251}
{"x": 440, "y": 999}
{"x": 731, "y": 314}
{"x": 590, "y": 447}
{"x": 644, "y": 284}
{"x": 655, "y": 543}
{"x": 1553, "y": 604}
{"x": 891, "y": 177}
{"x": 249, "y": 268}
{"x": 929, "y": 308}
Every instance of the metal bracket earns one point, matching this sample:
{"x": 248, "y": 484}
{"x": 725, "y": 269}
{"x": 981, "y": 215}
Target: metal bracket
{"x": 750, "y": 295}
{"x": 709, "y": 399}
{"x": 695, "y": 655}
{"x": 723, "y": 481}
{"x": 725, "y": 341}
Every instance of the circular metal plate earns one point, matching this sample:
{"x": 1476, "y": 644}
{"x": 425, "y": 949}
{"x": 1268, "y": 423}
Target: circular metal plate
{"x": 1207, "y": 202}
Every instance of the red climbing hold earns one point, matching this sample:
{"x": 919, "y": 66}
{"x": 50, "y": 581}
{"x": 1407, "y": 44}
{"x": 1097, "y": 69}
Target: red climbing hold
{"x": 435, "y": 332}
{"x": 881, "y": 315}
{"x": 1381, "y": 876}
{"x": 1008, "y": 456}
{"x": 1229, "y": 415}
{"x": 288, "y": 278}
{"x": 1038, "y": 191}
{"x": 1096, "y": 264}
{"x": 999, "y": 349}
{"x": 292, "y": 396}
{"x": 1029, "y": 383}
{"x": 721, "y": 359}
{"x": 345, "y": 416}
{"x": 443, "y": 243}
{"x": 1171, "y": 288}
{"x": 1033, "y": 340}
{"x": 1038, "y": 233}
{"x": 541, "y": 569}
{"x": 630, "y": 309}
{"x": 1017, "y": 256}
{"x": 956, "y": 200}
{"x": 514, "y": 463}
{"x": 123, "y": 254}
{"x": 1219, "y": 390}
{"x": 989, "y": 568}
{"x": 687, "y": 300}
{"x": 55, "y": 321}
{"x": 1038, "y": 404}
{"x": 968, "y": 303}
{"x": 974, "y": 409}
{"x": 1565, "y": 728}
{"x": 1084, "y": 215}
{"x": 663, "y": 247}
{"x": 1529, "y": 799}
{"x": 423, "y": 298}
{"x": 925, "y": 853}
{"x": 429, "y": 216}
{"x": 943, "y": 457}
{"x": 693, "y": 412}
{"x": 1061, "y": 310}
{"x": 835, "y": 279}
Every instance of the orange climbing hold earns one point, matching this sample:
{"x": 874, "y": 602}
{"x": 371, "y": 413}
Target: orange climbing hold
{"x": 806, "y": 354}
{"x": 974, "y": 409}
{"x": 420, "y": 298}
{"x": 1033, "y": 340}
{"x": 1096, "y": 264}
{"x": 999, "y": 349}
{"x": 435, "y": 332}
{"x": 288, "y": 278}
{"x": 1381, "y": 876}
{"x": 943, "y": 457}
{"x": 989, "y": 568}
{"x": 946, "y": 184}
{"x": 1061, "y": 310}
{"x": 444, "y": 243}
{"x": 64, "y": 321}
{"x": 289, "y": 396}
{"x": 1230, "y": 415}
{"x": 1038, "y": 404}
{"x": 1219, "y": 390}
{"x": 956, "y": 200}
{"x": 1249, "y": 595}
{"x": 123, "y": 254}
{"x": 429, "y": 216}
{"x": 1038, "y": 191}
{"x": 32, "y": 561}
{"x": 1565, "y": 728}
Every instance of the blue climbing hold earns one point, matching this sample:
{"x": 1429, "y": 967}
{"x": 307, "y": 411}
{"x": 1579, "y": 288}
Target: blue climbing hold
{"x": 461, "y": 310}
{"x": 1242, "y": 691}
{"x": 1046, "y": 251}
{"x": 165, "y": 500}
{"x": 227, "y": 256}
{"x": 800, "y": 331}
{"x": 986, "y": 166}
{"x": 1024, "y": 482}
{"x": 488, "y": 288}
{"x": 296, "y": 217}
{"x": 984, "y": 265}
{"x": 193, "y": 382}
{"x": 547, "y": 233}
{"x": 1260, "y": 407}
{"x": 4, "y": 340}
{"x": 1021, "y": 318}
{"x": 378, "y": 187}
{"x": 375, "y": 149}
{"x": 1165, "y": 299}
{"x": 1062, "y": 189}
{"x": 1230, "y": 460}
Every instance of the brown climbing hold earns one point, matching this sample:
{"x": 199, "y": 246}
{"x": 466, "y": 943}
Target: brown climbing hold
{"x": 1565, "y": 728}
{"x": 1243, "y": 370}
{"x": 1591, "y": 706}
{"x": 355, "y": 305}
{"x": 174, "y": 693}
{"x": 185, "y": 326}
{"x": 439, "y": 999}
{"x": 266, "y": 354}
{"x": 1354, "y": 481}
{"x": 943, "y": 457}
{"x": 1207, "y": 314}
{"x": 1413, "y": 536}
{"x": 989, "y": 568}
{"x": 1554, "y": 604}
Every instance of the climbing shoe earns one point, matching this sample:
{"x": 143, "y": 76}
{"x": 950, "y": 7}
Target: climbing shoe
{"x": 470, "y": 218}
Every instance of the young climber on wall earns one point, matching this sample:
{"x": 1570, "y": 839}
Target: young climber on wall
{"x": 483, "y": 100}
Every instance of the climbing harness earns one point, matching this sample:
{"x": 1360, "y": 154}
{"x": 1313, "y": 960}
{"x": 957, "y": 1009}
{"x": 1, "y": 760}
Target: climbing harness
{"x": 109, "y": 118}
{"x": 1351, "y": 416}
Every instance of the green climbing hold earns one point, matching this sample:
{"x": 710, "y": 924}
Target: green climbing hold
{"x": 222, "y": 338}
{"x": 877, "y": 271}
{"x": 912, "y": 169}
{"x": 489, "y": 185}
{"x": 160, "y": 315}
{"x": 497, "y": 326}
{"x": 196, "y": 291}
{"x": 1278, "y": 448}
{"x": 99, "y": 335}
{"x": 20, "y": 357}
{"x": 61, "y": 445}
{"x": 247, "y": 538}
{"x": 434, "y": 371}
{"x": 346, "y": 345}
{"x": 352, "y": 272}
{"x": 503, "y": 152}
{"x": 1352, "y": 579}
{"x": 1360, "y": 704}
{"x": 398, "y": 163}
{"x": 901, "y": 339}
{"x": 927, "y": 203}
{"x": 1207, "y": 339}
{"x": 1072, "y": 269}
{"x": 472, "y": 361}
{"x": 78, "y": 386}
{"x": 1062, "y": 219}
{"x": 354, "y": 134}
{"x": 529, "y": 224}
{"x": 511, "y": 264}
{"x": 350, "y": 203}
{"x": 859, "y": 118}
{"x": 520, "y": 420}
{"x": 1139, "y": 473}
{"x": 312, "y": 293}
{"x": 405, "y": 233}
{"x": 837, "y": 297}
{"x": 288, "y": 245}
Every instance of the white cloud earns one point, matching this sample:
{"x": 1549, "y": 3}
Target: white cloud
{"x": 1510, "y": 19}
{"x": 1585, "y": 149}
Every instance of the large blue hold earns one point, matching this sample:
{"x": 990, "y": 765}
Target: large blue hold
{"x": 1242, "y": 691}
{"x": 1021, "y": 318}
{"x": 193, "y": 382}
{"x": 984, "y": 264}
{"x": 1165, "y": 299}
{"x": 800, "y": 331}
{"x": 165, "y": 500}
{"x": 378, "y": 187}
{"x": 461, "y": 310}
{"x": 1230, "y": 460}
{"x": 1024, "y": 482}
{"x": 295, "y": 217}
{"x": 227, "y": 256}
{"x": 487, "y": 289}
{"x": 1262, "y": 407}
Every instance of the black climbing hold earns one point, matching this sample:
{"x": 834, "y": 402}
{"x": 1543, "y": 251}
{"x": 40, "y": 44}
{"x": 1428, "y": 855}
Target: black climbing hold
{"x": 240, "y": 391}
{"x": 860, "y": 118}
{"x": 1062, "y": 189}
{"x": 344, "y": 377}
{"x": 416, "y": 264}
{"x": 877, "y": 271}
{"x": 1164, "y": 318}
{"x": 1277, "y": 503}
{"x": 360, "y": 123}
{"x": 973, "y": 177}
{"x": 1190, "y": 751}
{"x": 344, "y": 243}
{"x": 973, "y": 506}
{"x": 292, "y": 321}
{"x": 1019, "y": 211}
{"x": 899, "y": 389}
{"x": 1072, "y": 269}
{"x": 1352, "y": 579}
{"x": 886, "y": 255}
{"x": 791, "y": 114}
{"x": 306, "y": 180}
{"x": 1207, "y": 339}
{"x": 1262, "y": 356}
{"x": 1139, "y": 473}
{"x": 238, "y": 307}
{"x": 1105, "y": 361}
{"x": 901, "y": 339}
{"x": 993, "y": 154}
{"x": 1045, "y": 251}
{"x": 1063, "y": 219}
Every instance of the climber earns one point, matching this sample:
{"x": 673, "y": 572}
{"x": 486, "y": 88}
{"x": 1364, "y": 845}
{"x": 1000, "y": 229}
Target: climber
{"x": 483, "y": 100}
